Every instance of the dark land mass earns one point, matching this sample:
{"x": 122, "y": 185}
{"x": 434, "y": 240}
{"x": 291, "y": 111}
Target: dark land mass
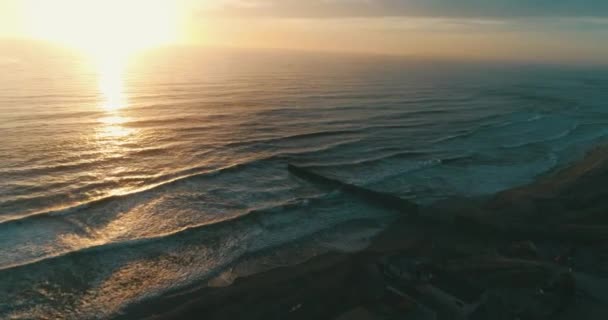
{"x": 532, "y": 252}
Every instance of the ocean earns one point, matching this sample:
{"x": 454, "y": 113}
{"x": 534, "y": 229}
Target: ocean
{"x": 127, "y": 181}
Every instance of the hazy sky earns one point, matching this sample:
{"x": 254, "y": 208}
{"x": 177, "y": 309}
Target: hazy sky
{"x": 546, "y": 30}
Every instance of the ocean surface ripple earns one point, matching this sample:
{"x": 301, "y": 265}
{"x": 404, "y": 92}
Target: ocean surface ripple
{"x": 104, "y": 205}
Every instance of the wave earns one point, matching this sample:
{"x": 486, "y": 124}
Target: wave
{"x": 420, "y": 165}
{"x": 107, "y": 268}
{"x": 83, "y": 162}
{"x": 293, "y": 137}
{"x": 191, "y": 256}
{"x": 557, "y": 136}
{"x": 133, "y": 243}
{"x": 94, "y": 202}
{"x": 159, "y": 181}
{"x": 531, "y": 121}
{"x": 41, "y": 170}
{"x": 373, "y": 159}
{"x": 93, "y": 235}
{"x": 248, "y": 218}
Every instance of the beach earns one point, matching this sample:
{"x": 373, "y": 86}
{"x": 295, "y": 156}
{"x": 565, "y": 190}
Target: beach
{"x": 532, "y": 252}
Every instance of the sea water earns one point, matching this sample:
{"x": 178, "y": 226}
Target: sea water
{"x": 123, "y": 180}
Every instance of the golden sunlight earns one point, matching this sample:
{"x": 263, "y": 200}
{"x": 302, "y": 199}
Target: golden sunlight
{"x": 111, "y": 83}
{"x": 112, "y": 124}
{"x": 109, "y": 32}
{"x": 103, "y": 28}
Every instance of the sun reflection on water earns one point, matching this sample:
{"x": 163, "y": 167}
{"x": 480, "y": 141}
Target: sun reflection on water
{"x": 111, "y": 88}
{"x": 112, "y": 127}
{"x": 111, "y": 84}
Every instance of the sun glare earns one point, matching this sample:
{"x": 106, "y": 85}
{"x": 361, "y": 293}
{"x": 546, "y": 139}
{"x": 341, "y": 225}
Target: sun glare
{"x": 103, "y": 28}
{"x": 109, "y": 32}
{"x": 111, "y": 83}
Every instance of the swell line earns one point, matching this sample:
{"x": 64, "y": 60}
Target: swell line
{"x": 252, "y": 214}
{"x": 59, "y": 211}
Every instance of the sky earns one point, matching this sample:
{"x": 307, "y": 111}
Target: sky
{"x": 535, "y": 30}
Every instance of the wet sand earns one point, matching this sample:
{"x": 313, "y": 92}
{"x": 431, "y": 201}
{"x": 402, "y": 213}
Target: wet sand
{"x": 532, "y": 252}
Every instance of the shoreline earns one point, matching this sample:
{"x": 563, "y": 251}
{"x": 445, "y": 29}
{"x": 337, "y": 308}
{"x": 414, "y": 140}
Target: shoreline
{"x": 533, "y": 252}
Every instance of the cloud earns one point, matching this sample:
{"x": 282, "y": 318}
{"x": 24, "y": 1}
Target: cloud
{"x": 412, "y": 8}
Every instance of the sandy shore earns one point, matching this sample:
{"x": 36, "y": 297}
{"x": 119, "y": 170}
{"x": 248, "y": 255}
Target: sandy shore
{"x": 532, "y": 252}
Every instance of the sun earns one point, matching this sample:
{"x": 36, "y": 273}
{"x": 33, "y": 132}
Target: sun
{"x": 109, "y": 32}
{"x": 103, "y": 29}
